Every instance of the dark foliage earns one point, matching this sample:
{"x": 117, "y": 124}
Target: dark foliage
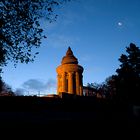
{"x": 106, "y": 89}
{"x": 5, "y": 90}
{"x": 125, "y": 85}
{"x": 128, "y": 80}
{"x": 20, "y": 30}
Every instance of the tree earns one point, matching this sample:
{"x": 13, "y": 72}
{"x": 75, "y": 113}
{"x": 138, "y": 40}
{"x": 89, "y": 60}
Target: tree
{"x": 20, "y": 30}
{"x": 5, "y": 90}
{"x": 128, "y": 84}
{"x": 125, "y": 85}
{"x": 107, "y": 88}
{"x": 99, "y": 89}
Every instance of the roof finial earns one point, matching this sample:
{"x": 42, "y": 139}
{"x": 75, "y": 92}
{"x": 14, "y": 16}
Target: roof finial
{"x": 69, "y": 51}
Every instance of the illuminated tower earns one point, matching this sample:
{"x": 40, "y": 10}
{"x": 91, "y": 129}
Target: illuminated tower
{"x": 69, "y": 75}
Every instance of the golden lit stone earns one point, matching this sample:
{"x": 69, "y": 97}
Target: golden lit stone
{"x": 69, "y": 75}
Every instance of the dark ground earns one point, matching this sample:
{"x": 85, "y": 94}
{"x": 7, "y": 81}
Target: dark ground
{"x": 80, "y": 113}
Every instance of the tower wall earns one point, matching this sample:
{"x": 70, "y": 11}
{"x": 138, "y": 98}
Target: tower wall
{"x": 69, "y": 75}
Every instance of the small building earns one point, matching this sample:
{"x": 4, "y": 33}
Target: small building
{"x": 89, "y": 91}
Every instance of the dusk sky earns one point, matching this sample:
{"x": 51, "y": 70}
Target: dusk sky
{"x": 97, "y": 31}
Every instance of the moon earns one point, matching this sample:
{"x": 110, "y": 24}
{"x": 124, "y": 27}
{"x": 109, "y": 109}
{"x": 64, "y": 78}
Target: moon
{"x": 119, "y": 23}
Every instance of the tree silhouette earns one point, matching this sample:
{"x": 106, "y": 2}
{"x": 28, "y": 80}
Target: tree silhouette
{"x": 5, "y": 90}
{"x": 107, "y": 88}
{"x": 128, "y": 83}
{"x": 20, "y": 29}
{"x": 125, "y": 85}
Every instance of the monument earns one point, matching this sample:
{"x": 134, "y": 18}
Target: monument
{"x": 69, "y": 75}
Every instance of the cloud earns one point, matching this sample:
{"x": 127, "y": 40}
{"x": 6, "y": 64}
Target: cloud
{"x": 37, "y": 85}
{"x": 34, "y": 84}
{"x": 20, "y": 91}
{"x": 57, "y": 41}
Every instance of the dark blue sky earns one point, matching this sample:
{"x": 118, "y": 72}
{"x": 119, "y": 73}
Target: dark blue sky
{"x": 97, "y": 31}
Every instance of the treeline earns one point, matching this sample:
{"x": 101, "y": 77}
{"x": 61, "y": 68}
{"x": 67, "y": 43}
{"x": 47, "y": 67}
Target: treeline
{"x": 125, "y": 84}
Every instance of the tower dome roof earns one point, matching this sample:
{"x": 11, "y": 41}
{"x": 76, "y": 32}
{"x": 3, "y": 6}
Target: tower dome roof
{"x": 69, "y": 58}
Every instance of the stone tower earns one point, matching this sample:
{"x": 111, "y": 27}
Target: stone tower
{"x": 69, "y": 75}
